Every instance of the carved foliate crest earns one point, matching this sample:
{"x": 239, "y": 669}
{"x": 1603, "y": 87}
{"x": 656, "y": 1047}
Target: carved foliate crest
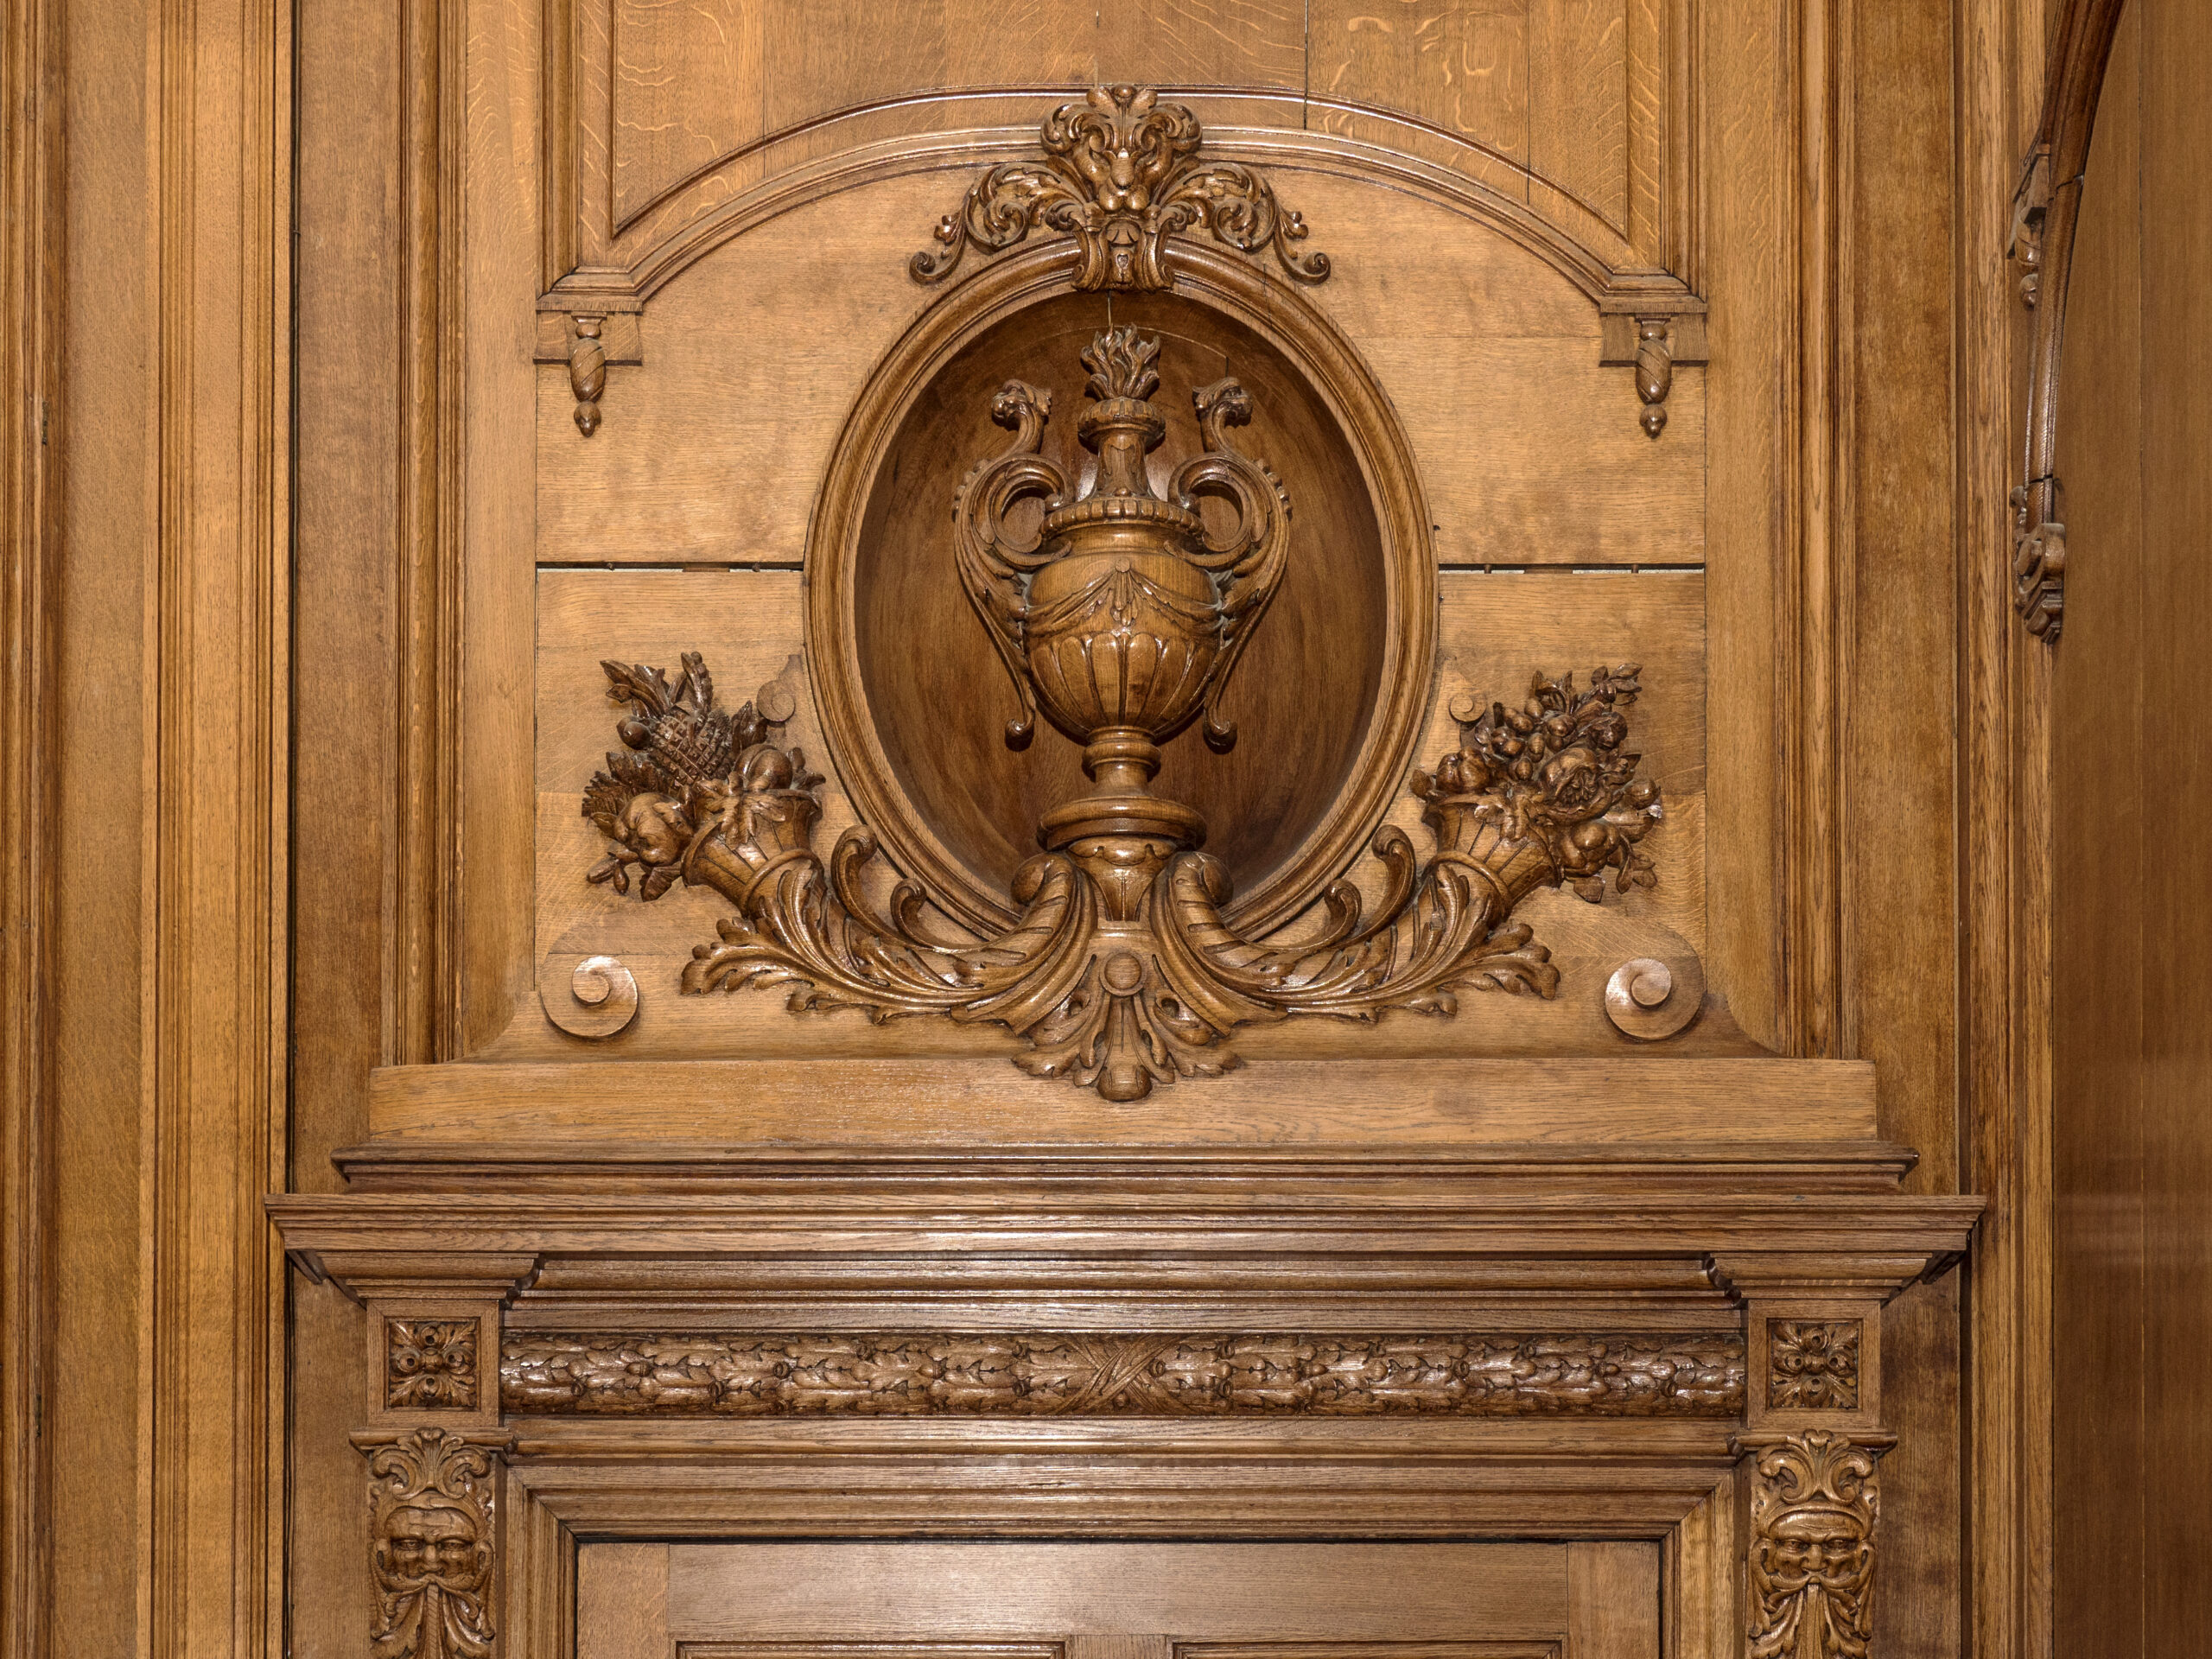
{"x": 1120, "y": 173}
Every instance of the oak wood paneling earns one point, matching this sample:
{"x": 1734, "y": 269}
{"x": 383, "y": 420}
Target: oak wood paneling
{"x": 348, "y": 538}
{"x": 2131, "y": 1052}
{"x": 2177, "y": 587}
{"x": 1120, "y": 1601}
{"x": 2100, "y": 1286}
{"x": 1496, "y": 631}
{"x": 1464, "y": 67}
{"x": 1579, "y": 103}
{"x": 693, "y": 83}
{"x": 709, "y": 451}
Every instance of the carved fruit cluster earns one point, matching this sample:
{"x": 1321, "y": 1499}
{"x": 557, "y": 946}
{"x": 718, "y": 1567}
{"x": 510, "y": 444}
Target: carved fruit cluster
{"x": 685, "y": 769}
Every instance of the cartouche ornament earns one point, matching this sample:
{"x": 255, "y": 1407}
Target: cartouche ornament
{"x": 1123, "y": 622}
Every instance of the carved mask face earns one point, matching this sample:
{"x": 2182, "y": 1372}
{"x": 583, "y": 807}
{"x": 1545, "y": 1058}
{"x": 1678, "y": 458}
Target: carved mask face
{"x": 1813, "y": 1547}
{"x": 422, "y": 1547}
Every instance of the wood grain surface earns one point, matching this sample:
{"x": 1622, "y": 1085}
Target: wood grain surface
{"x": 2129, "y": 1164}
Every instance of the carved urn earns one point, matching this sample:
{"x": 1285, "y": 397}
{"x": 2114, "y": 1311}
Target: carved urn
{"x": 1125, "y": 618}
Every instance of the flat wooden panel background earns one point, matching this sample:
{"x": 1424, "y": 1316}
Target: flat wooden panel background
{"x": 1558, "y": 103}
{"x": 2131, "y": 1288}
{"x": 1529, "y": 452}
{"x": 1122, "y": 1601}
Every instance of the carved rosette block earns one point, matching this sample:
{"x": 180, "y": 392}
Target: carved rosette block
{"x": 432, "y": 1543}
{"x": 1120, "y": 173}
{"x": 430, "y": 1364}
{"x": 1812, "y": 1365}
{"x": 1027, "y": 1374}
{"x": 1813, "y": 1510}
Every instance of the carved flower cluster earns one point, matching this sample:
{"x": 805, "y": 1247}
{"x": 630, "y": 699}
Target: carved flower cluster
{"x": 1553, "y": 773}
{"x": 685, "y": 768}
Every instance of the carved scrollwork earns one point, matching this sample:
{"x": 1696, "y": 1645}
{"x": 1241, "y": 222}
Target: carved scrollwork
{"x": 1052, "y": 1374}
{"x": 431, "y": 1537}
{"x": 1120, "y": 173}
{"x": 1812, "y": 1551}
{"x": 1121, "y": 622}
{"x": 1121, "y": 971}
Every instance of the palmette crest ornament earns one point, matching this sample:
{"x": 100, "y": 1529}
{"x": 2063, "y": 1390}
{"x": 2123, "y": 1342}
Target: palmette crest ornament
{"x": 1121, "y": 622}
{"x": 1120, "y": 173}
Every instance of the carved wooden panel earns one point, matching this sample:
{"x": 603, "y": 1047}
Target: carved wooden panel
{"x": 1122, "y": 1601}
{"x": 711, "y": 451}
{"x": 1497, "y": 630}
{"x": 668, "y": 127}
{"x": 1042, "y": 1374}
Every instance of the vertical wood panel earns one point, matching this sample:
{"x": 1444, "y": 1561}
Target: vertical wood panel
{"x": 1895, "y": 680}
{"x": 31, "y": 301}
{"x": 347, "y": 544}
{"x": 99, "y": 1074}
{"x": 491, "y": 344}
{"x": 168, "y": 977}
{"x": 2098, "y": 756}
{"x": 1464, "y": 67}
{"x": 2175, "y": 894}
{"x": 1752, "y": 523}
{"x": 1578, "y": 102}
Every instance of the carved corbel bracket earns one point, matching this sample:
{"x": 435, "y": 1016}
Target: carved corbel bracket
{"x": 1813, "y": 1434}
{"x": 433, "y": 1541}
{"x": 586, "y": 342}
{"x": 1652, "y": 342}
{"x": 2030, "y": 205}
{"x": 2038, "y": 559}
{"x": 1810, "y": 1564}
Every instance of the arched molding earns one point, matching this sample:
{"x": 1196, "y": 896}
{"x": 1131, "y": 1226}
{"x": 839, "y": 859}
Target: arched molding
{"x": 2046, "y": 208}
{"x": 600, "y": 252}
{"x": 644, "y": 262}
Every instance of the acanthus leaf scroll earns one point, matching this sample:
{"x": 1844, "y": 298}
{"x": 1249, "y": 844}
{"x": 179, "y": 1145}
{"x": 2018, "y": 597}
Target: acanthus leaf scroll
{"x": 1121, "y": 173}
{"x": 1121, "y": 622}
